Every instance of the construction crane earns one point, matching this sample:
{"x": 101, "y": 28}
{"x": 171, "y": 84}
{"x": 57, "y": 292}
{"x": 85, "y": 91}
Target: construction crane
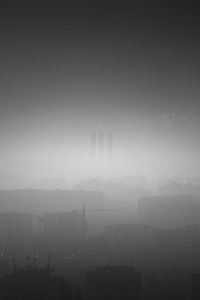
{"x": 41, "y": 219}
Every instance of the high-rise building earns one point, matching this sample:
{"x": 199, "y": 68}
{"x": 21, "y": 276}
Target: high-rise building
{"x": 130, "y": 242}
{"x": 16, "y": 235}
{"x": 169, "y": 211}
{"x": 64, "y": 231}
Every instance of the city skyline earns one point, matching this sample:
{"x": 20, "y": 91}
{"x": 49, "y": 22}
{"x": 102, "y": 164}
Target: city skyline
{"x": 99, "y": 156}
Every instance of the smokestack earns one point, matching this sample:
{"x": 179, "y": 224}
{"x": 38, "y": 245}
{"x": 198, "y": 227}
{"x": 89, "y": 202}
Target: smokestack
{"x": 110, "y": 146}
{"x": 93, "y": 145}
{"x": 101, "y": 145}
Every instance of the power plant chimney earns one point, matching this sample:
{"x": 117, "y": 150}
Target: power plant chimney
{"x": 101, "y": 145}
{"x": 110, "y": 146}
{"x": 93, "y": 145}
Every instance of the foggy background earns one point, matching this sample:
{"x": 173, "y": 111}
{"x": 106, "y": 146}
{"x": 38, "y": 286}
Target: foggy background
{"x": 71, "y": 69}
{"x": 99, "y": 150}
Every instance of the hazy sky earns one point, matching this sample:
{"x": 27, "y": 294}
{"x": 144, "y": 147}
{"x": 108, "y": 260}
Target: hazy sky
{"x": 68, "y": 70}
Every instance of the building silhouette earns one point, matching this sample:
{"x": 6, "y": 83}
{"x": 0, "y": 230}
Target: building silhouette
{"x": 43, "y": 201}
{"x": 169, "y": 211}
{"x": 35, "y": 284}
{"x": 64, "y": 231}
{"x": 16, "y": 233}
{"x": 130, "y": 242}
{"x": 113, "y": 283}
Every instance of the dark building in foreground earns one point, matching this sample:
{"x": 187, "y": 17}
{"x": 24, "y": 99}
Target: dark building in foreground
{"x": 195, "y": 287}
{"x": 113, "y": 283}
{"x": 35, "y": 284}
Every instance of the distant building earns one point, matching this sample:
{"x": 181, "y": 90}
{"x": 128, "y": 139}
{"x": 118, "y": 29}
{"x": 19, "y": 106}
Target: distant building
{"x": 64, "y": 231}
{"x": 113, "y": 283}
{"x": 16, "y": 233}
{"x": 2, "y": 232}
{"x": 193, "y": 180}
{"x": 35, "y": 284}
{"x": 171, "y": 188}
{"x": 178, "y": 248}
{"x": 130, "y": 242}
{"x": 132, "y": 181}
{"x": 52, "y": 183}
{"x": 169, "y": 211}
{"x": 44, "y": 201}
